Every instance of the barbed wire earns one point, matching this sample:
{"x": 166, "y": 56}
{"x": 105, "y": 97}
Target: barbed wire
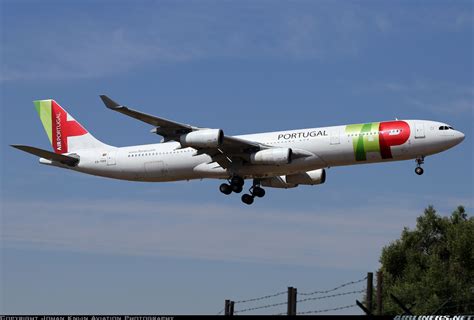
{"x": 331, "y": 290}
{"x": 261, "y": 307}
{"x": 331, "y": 295}
{"x": 302, "y": 300}
{"x": 262, "y": 298}
{"x": 326, "y": 310}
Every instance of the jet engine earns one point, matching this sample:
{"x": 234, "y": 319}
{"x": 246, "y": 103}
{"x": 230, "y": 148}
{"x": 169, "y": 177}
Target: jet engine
{"x": 274, "y": 156}
{"x": 207, "y": 138}
{"x": 307, "y": 178}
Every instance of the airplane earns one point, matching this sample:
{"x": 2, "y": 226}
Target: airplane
{"x": 282, "y": 159}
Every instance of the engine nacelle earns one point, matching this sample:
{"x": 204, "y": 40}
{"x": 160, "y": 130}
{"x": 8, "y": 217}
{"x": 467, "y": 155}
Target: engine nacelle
{"x": 207, "y": 138}
{"x": 308, "y": 178}
{"x": 276, "y": 182}
{"x": 274, "y": 156}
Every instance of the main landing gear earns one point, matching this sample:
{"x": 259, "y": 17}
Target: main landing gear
{"x": 419, "y": 161}
{"x": 255, "y": 191}
{"x": 236, "y": 185}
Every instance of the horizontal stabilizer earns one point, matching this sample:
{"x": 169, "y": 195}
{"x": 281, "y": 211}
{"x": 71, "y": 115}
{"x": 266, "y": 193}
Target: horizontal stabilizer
{"x": 67, "y": 160}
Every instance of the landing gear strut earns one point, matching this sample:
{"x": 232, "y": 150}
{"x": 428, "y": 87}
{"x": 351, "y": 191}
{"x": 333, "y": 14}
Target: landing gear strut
{"x": 419, "y": 161}
{"x": 235, "y": 184}
{"x": 255, "y": 191}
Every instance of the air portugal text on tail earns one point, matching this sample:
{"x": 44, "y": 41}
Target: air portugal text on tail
{"x": 282, "y": 159}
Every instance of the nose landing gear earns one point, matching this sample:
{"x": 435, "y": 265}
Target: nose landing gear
{"x": 419, "y": 161}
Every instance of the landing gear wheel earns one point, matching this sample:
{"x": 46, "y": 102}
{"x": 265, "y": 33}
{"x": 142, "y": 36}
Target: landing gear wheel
{"x": 419, "y": 171}
{"x": 258, "y": 192}
{"x": 225, "y": 188}
{"x": 238, "y": 181}
{"x": 236, "y": 188}
{"x": 419, "y": 161}
{"x": 247, "y": 199}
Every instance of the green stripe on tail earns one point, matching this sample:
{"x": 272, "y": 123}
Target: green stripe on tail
{"x": 43, "y": 107}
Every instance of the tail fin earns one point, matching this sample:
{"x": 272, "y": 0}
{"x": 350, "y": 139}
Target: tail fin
{"x": 64, "y": 133}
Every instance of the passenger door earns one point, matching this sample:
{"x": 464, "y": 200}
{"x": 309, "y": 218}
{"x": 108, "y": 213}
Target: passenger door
{"x": 419, "y": 130}
{"x": 334, "y": 136}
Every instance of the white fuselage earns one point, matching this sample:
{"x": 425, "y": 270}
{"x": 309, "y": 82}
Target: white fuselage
{"x": 323, "y": 147}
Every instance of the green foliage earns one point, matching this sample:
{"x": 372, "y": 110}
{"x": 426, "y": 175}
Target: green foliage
{"x": 431, "y": 264}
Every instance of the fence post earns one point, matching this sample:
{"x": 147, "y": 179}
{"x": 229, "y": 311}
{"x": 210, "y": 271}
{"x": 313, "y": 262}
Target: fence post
{"x": 379, "y": 293}
{"x": 368, "y": 298}
{"x": 231, "y": 308}
{"x": 291, "y": 301}
{"x": 294, "y": 300}
{"x": 226, "y": 308}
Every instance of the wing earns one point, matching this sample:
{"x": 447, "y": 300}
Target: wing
{"x": 232, "y": 149}
{"x": 169, "y": 130}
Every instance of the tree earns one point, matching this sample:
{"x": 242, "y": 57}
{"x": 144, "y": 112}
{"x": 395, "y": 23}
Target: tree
{"x": 431, "y": 264}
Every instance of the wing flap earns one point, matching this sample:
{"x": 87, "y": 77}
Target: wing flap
{"x": 233, "y": 143}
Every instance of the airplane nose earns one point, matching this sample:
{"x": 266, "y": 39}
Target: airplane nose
{"x": 459, "y": 137}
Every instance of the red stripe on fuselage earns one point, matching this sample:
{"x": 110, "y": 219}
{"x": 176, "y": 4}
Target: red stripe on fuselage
{"x": 62, "y": 128}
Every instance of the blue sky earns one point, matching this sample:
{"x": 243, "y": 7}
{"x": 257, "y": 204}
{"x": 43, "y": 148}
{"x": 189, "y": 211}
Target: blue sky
{"x": 80, "y": 244}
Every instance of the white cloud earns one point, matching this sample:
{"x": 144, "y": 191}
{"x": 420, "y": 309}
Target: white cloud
{"x": 87, "y": 53}
{"x": 88, "y": 47}
{"x": 84, "y": 48}
{"x": 465, "y": 19}
{"x": 453, "y": 107}
{"x": 330, "y": 238}
{"x": 437, "y": 97}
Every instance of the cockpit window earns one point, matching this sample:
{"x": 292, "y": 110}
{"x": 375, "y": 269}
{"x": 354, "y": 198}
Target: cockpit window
{"x": 446, "y": 128}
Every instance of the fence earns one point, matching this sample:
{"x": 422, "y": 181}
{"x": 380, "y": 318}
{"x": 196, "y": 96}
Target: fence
{"x": 237, "y": 307}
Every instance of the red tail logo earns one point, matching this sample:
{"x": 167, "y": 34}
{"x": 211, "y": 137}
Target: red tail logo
{"x": 63, "y": 129}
